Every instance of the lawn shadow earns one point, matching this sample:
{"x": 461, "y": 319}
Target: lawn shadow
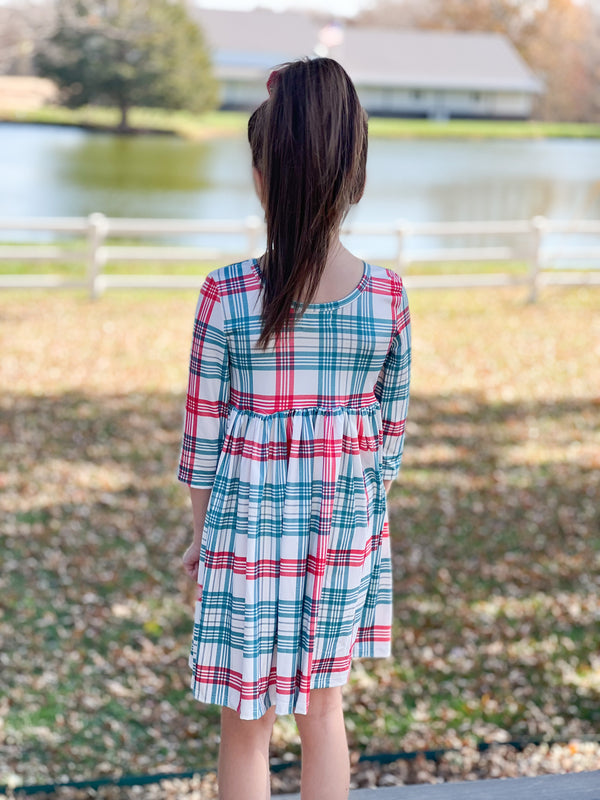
{"x": 495, "y": 530}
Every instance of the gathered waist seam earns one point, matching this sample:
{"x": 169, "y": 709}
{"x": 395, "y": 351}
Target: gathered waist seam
{"x": 371, "y": 408}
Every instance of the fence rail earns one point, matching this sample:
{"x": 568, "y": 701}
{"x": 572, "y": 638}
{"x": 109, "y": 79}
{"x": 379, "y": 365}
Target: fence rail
{"x": 97, "y": 230}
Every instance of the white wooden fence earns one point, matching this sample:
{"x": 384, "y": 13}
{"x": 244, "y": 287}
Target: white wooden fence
{"x": 530, "y": 236}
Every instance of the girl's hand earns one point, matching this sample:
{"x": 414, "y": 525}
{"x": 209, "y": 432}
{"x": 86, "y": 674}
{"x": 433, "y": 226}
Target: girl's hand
{"x": 191, "y": 560}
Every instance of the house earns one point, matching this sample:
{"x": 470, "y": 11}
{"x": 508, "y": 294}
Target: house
{"x": 398, "y": 73}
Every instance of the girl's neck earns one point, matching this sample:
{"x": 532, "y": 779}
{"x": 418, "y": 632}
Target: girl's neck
{"x": 342, "y": 273}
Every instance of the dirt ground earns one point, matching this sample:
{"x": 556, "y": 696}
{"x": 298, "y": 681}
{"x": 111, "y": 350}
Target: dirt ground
{"x": 24, "y": 93}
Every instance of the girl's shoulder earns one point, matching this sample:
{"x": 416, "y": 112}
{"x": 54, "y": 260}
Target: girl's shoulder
{"x": 234, "y": 278}
{"x": 385, "y": 279}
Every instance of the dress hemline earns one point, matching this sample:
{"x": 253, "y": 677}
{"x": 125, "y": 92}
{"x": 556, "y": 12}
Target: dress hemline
{"x": 204, "y": 693}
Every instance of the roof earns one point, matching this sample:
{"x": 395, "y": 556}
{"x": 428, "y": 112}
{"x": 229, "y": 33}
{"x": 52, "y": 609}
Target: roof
{"x": 247, "y": 44}
{"x": 434, "y": 59}
{"x": 257, "y": 40}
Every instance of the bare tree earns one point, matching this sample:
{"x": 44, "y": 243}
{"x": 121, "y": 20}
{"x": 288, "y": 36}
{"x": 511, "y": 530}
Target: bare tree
{"x": 390, "y": 13}
{"x": 560, "y": 52}
{"x": 23, "y": 25}
{"x": 593, "y": 60}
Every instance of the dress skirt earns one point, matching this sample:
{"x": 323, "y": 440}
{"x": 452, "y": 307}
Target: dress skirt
{"x": 295, "y": 570}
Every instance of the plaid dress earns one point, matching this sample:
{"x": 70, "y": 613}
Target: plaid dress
{"x": 295, "y": 441}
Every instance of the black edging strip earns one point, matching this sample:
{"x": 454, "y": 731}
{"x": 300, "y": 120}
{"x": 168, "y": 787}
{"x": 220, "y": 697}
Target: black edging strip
{"x": 277, "y": 766}
{"x": 96, "y": 783}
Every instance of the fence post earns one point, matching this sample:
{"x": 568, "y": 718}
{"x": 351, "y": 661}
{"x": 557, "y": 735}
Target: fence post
{"x": 97, "y": 230}
{"x": 538, "y": 227}
{"x": 401, "y": 235}
{"x": 253, "y": 228}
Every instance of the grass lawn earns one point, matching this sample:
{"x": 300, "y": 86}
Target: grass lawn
{"x": 495, "y": 524}
{"x": 76, "y": 270}
{"x": 233, "y": 123}
{"x": 479, "y": 129}
{"x": 183, "y": 123}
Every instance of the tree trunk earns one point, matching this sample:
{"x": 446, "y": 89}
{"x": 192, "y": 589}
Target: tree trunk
{"x": 123, "y": 124}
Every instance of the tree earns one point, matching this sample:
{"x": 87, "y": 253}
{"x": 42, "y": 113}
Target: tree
{"x": 394, "y": 14}
{"x": 593, "y": 59}
{"x": 127, "y": 53}
{"x": 23, "y": 24}
{"x": 501, "y": 16}
{"x": 560, "y": 53}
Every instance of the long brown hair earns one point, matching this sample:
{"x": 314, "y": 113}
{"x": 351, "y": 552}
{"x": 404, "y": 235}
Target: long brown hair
{"x": 309, "y": 142}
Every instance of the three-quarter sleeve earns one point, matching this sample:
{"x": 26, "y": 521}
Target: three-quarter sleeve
{"x": 207, "y": 399}
{"x": 392, "y": 387}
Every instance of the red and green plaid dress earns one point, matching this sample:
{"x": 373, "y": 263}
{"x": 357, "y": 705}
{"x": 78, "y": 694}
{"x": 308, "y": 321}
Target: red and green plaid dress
{"x": 295, "y": 442}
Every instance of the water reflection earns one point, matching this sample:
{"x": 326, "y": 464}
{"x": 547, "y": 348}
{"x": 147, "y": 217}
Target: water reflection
{"x": 138, "y": 165}
{"x": 485, "y": 180}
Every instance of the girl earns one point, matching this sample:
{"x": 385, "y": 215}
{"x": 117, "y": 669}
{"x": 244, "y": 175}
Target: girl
{"x": 294, "y": 428}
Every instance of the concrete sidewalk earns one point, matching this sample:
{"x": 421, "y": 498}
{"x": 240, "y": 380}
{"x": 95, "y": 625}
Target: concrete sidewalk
{"x": 574, "y": 786}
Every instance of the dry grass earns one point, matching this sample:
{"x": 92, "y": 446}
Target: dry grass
{"x": 25, "y": 93}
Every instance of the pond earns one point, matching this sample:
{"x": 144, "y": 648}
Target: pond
{"x": 60, "y": 171}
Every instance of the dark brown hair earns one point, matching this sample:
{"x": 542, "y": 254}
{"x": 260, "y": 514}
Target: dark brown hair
{"x": 309, "y": 142}
{"x": 256, "y": 134}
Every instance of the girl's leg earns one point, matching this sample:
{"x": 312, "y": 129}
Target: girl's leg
{"x": 244, "y": 756}
{"x": 325, "y": 758}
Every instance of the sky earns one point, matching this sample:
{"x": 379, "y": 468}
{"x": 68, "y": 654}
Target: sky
{"x": 342, "y": 8}
{"x": 345, "y": 8}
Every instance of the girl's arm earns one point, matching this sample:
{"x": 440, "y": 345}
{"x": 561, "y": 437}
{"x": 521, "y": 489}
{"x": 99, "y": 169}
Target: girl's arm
{"x": 392, "y": 387}
{"x": 191, "y": 557}
{"x": 206, "y": 411}
{"x": 200, "y": 498}
{"x": 207, "y": 400}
